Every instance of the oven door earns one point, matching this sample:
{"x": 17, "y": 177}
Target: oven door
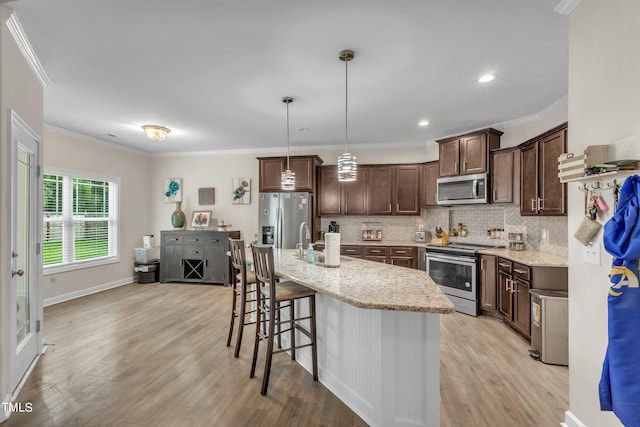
{"x": 455, "y": 275}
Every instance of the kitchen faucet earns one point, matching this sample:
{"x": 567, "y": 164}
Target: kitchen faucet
{"x": 307, "y": 235}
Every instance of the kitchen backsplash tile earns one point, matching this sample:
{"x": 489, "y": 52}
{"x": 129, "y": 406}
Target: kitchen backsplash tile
{"x": 477, "y": 219}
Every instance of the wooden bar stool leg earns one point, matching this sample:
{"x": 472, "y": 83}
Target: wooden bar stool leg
{"x": 259, "y": 321}
{"x": 314, "y": 346}
{"x": 270, "y": 343}
{"x": 233, "y": 314}
{"x": 292, "y": 332}
{"x": 241, "y": 317}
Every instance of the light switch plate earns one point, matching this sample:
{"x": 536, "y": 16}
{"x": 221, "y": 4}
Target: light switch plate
{"x": 591, "y": 253}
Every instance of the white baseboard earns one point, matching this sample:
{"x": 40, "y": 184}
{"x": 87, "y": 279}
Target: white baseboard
{"x": 571, "y": 420}
{"x": 84, "y": 292}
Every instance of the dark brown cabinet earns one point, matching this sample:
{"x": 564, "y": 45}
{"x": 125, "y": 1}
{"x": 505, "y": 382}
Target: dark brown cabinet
{"x": 271, "y": 168}
{"x": 505, "y": 176}
{"x": 329, "y": 191}
{"x": 541, "y": 192}
{"x": 394, "y": 190}
{"x": 403, "y": 256}
{"x": 488, "y": 285}
{"x": 467, "y": 154}
{"x": 514, "y": 282}
{"x": 375, "y": 253}
{"x": 341, "y": 198}
{"x": 430, "y": 181}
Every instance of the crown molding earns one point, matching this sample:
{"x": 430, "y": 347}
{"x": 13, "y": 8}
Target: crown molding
{"x": 565, "y": 7}
{"x": 561, "y": 103}
{"x": 16, "y": 30}
{"x": 109, "y": 144}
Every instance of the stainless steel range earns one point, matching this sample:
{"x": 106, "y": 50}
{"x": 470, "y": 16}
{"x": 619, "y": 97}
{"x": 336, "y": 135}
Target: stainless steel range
{"x": 454, "y": 268}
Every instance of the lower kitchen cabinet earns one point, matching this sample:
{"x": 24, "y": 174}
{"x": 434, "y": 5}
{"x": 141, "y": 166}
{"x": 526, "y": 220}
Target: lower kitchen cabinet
{"x": 488, "y": 285}
{"x": 404, "y": 256}
{"x": 375, "y": 253}
{"x": 515, "y": 302}
{"x": 198, "y": 256}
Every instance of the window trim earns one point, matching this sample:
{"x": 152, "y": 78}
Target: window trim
{"x": 93, "y": 262}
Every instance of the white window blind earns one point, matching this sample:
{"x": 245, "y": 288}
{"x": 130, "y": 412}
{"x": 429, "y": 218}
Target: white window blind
{"x": 80, "y": 220}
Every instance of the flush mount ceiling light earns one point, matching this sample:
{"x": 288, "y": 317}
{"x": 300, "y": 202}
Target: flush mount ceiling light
{"x": 288, "y": 177}
{"x": 346, "y": 161}
{"x": 157, "y": 133}
{"x": 486, "y": 78}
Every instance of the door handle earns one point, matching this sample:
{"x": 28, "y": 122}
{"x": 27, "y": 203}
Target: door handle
{"x": 18, "y": 273}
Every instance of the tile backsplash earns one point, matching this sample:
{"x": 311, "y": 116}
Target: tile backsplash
{"x": 546, "y": 234}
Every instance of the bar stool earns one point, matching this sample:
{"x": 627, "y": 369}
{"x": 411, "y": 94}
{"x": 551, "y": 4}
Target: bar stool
{"x": 273, "y": 297}
{"x": 243, "y": 286}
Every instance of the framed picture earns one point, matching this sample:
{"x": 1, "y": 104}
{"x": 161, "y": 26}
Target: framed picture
{"x": 172, "y": 190}
{"x": 206, "y": 196}
{"x": 241, "y": 191}
{"x": 201, "y": 219}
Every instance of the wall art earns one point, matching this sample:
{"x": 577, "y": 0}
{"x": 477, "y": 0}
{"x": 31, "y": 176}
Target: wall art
{"x": 241, "y": 191}
{"x": 206, "y": 196}
{"x": 172, "y": 190}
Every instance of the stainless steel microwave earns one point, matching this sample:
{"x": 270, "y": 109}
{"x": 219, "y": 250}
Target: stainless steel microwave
{"x": 463, "y": 190}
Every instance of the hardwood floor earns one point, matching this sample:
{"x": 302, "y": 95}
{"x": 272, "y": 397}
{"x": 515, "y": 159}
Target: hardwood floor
{"x": 155, "y": 355}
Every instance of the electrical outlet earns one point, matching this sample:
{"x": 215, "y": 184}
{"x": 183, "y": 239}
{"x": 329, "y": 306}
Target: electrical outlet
{"x": 591, "y": 253}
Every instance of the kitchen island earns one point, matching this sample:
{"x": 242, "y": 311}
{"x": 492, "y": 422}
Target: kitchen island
{"x": 378, "y": 337}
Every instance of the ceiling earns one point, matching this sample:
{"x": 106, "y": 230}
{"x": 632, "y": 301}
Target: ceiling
{"x": 214, "y": 72}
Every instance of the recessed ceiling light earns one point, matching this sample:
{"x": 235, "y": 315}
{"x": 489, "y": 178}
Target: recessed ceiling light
{"x": 486, "y": 78}
{"x": 303, "y": 129}
{"x": 423, "y": 123}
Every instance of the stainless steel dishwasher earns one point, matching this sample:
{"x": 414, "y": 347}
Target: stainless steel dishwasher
{"x": 550, "y": 326}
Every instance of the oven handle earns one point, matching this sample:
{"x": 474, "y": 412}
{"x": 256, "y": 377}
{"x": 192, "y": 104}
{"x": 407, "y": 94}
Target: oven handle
{"x": 451, "y": 258}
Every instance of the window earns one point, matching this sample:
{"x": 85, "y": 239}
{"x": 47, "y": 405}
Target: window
{"x": 80, "y": 220}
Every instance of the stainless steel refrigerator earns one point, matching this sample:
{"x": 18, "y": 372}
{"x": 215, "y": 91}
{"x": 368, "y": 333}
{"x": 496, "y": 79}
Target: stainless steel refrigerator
{"x": 280, "y": 217}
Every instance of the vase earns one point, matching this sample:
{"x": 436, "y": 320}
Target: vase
{"x": 177, "y": 217}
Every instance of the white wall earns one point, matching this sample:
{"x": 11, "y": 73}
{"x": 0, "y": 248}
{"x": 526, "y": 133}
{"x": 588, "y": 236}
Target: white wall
{"x": 69, "y": 150}
{"x": 604, "y": 106}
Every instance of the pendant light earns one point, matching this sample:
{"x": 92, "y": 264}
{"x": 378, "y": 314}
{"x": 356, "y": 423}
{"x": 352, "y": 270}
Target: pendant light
{"x": 346, "y": 161}
{"x": 288, "y": 177}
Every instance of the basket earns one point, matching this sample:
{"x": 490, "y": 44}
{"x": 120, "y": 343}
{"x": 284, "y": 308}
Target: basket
{"x": 573, "y": 165}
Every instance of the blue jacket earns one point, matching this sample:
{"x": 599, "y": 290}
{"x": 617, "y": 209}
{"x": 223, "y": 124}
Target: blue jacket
{"x": 620, "y": 382}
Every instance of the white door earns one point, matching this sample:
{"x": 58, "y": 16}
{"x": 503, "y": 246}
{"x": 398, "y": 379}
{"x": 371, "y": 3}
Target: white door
{"x": 24, "y": 294}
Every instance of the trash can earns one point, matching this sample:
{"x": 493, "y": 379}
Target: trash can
{"x": 550, "y": 326}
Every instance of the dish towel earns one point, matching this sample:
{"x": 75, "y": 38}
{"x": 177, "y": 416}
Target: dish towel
{"x": 620, "y": 381}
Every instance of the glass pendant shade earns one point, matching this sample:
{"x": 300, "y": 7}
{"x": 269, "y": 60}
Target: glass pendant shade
{"x": 347, "y": 168}
{"x": 288, "y": 180}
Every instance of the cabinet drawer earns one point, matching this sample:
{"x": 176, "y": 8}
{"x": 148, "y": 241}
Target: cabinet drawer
{"x": 375, "y": 250}
{"x": 504, "y": 265}
{"x": 402, "y": 251}
{"x": 190, "y": 239}
{"x": 351, "y": 250}
{"x": 172, "y": 239}
{"x": 522, "y": 271}
{"x": 193, "y": 252}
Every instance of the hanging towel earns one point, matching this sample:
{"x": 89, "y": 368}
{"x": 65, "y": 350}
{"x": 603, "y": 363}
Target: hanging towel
{"x": 620, "y": 382}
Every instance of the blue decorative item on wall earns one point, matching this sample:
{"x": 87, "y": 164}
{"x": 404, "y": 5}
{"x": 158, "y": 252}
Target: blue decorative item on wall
{"x": 172, "y": 190}
{"x": 241, "y": 191}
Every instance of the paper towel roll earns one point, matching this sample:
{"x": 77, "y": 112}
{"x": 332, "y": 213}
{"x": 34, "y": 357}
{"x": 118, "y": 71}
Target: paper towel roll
{"x": 332, "y": 249}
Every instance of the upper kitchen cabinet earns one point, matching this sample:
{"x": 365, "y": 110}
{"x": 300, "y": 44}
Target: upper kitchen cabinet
{"x": 394, "y": 190}
{"x": 505, "y": 176}
{"x": 430, "y": 183}
{"x": 271, "y": 168}
{"x": 467, "y": 154}
{"x": 541, "y": 192}
{"x": 338, "y": 198}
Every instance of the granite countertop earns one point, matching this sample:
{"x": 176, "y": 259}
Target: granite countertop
{"x": 530, "y": 258}
{"x": 366, "y": 284}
